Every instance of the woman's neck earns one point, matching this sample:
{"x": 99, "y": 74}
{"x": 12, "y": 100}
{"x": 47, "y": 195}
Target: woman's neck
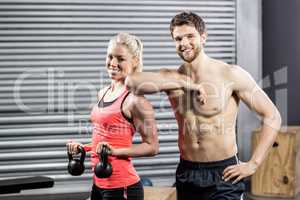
{"x": 116, "y": 85}
{"x": 116, "y": 88}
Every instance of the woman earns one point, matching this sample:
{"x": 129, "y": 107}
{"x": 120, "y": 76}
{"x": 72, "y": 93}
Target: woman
{"x": 116, "y": 117}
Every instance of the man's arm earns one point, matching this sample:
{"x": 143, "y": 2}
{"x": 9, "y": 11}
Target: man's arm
{"x": 164, "y": 80}
{"x": 256, "y": 99}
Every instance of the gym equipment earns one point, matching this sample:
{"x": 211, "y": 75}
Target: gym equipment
{"x": 76, "y": 166}
{"x": 15, "y": 185}
{"x": 146, "y": 181}
{"x": 103, "y": 169}
{"x": 279, "y": 175}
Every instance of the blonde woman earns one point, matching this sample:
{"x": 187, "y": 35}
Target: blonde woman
{"x": 115, "y": 118}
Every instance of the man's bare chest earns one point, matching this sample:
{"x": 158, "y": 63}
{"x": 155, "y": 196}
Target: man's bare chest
{"x": 218, "y": 96}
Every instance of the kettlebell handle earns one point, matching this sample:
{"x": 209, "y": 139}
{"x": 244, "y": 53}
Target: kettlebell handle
{"x": 70, "y": 156}
{"x": 81, "y": 150}
{"x": 103, "y": 169}
{"x": 104, "y": 155}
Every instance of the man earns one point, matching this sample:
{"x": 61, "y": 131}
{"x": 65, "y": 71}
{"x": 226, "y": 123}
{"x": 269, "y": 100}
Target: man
{"x": 204, "y": 94}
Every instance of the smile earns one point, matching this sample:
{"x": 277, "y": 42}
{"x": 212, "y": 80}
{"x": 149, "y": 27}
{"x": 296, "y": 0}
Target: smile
{"x": 114, "y": 69}
{"x": 187, "y": 50}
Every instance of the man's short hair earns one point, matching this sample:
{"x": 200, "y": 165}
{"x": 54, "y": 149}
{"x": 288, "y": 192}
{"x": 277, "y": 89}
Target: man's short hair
{"x": 190, "y": 19}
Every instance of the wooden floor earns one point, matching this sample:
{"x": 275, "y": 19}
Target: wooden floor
{"x": 151, "y": 193}
{"x": 160, "y": 193}
{"x": 252, "y": 197}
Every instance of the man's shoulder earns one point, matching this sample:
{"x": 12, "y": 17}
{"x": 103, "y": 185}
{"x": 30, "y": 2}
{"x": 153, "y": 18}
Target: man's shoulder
{"x": 236, "y": 71}
{"x": 223, "y": 65}
{"x": 229, "y": 70}
{"x": 240, "y": 77}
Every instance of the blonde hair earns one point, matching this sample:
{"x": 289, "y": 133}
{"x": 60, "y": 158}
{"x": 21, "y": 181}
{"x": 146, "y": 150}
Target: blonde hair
{"x": 133, "y": 44}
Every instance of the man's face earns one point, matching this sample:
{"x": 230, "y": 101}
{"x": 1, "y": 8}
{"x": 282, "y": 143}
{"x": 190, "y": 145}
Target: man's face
{"x": 189, "y": 42}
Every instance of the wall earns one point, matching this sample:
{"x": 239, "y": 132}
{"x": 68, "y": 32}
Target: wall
{"x": 281, "y": 63}
{"x": 249, "y": 56}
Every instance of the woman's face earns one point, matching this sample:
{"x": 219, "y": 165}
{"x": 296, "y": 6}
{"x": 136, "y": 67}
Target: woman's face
{"x": 119, "y": 62}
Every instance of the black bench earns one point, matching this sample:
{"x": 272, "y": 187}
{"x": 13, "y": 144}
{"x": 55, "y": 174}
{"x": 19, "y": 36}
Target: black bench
{"x": 15, "y": 185}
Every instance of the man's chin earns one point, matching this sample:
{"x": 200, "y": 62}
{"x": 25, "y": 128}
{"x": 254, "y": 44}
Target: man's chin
{"x": 187, "y": 59}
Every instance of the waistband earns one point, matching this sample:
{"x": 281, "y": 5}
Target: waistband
{"x": 220, "y": 163}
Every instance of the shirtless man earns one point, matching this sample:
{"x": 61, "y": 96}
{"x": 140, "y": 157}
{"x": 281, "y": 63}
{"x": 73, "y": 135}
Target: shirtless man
{"x": 204, "y": 94}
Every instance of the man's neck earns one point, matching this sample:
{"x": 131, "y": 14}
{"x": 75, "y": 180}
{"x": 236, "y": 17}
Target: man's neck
{"x": 200, "y": 64}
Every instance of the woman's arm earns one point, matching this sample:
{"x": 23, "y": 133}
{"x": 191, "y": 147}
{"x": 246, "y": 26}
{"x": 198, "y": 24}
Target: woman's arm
{"x": 142, "y": 113}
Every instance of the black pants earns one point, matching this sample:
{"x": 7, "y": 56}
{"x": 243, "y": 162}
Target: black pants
{"x": 203, "y": 181}
{"x": 132, "y": 192}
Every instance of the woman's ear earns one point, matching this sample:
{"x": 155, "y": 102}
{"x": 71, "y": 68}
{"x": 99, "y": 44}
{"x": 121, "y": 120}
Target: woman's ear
{"x": 136, "y": 62}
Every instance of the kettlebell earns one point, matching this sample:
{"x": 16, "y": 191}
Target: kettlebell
{"x": 76, "y": 166}
{"x": 103, "y": 169}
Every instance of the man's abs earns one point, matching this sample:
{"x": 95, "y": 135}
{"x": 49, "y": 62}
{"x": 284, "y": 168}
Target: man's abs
{"x": 206, "y": 148}
{"x": 206, "y": 132}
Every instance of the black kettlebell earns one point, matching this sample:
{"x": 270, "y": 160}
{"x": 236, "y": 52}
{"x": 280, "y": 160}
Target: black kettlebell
{"x": 103, "y": 168}
{"x": 76, "y": 166}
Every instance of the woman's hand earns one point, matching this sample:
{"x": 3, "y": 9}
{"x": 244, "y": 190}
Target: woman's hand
{"x": 73, "y": 147}
{"x": 111, "y": 150}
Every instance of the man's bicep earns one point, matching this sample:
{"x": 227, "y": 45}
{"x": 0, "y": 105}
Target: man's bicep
{"x": 172, "y": 88}
{"x": 257, "y": 100}
{"x": 252, "y": 95}
{"x": 152, "y": 82}
{"x": 165, "y": 80}
{"x": 168, "y": 72}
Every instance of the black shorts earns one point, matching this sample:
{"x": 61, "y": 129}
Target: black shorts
{"x": 198, "y": 180}
{"x": 132, "y": 192}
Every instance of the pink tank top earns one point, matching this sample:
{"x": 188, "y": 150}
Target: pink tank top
{"x": 109, "y": 125}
